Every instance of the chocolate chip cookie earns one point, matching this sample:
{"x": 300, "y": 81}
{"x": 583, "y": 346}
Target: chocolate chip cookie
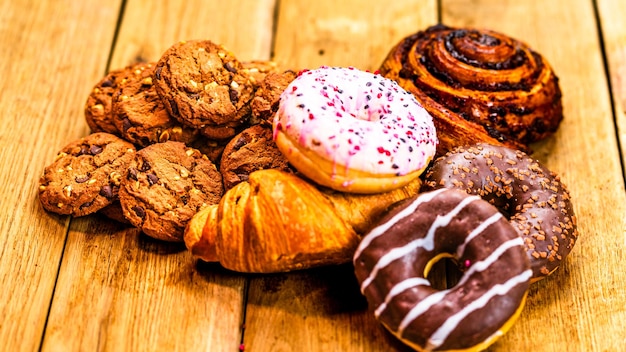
{"x": 256, "y": 70}
{"x": 252, "y": 149}
{"x": 166, "y": 184}
{"x": 98, "y": 108}
{"x": 211, "y": 148}
{"x": 141, "y": 117}
{"x": 201, "y": 83}
{"x": 266, "y": 98}
{"x": 86, "y": 175}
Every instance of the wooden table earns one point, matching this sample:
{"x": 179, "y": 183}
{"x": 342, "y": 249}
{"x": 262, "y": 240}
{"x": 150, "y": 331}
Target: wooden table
{"x": 88, "y": 284}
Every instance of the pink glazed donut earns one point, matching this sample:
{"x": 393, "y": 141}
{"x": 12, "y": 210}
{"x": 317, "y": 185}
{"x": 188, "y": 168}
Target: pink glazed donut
{"x": 353, "y": 131}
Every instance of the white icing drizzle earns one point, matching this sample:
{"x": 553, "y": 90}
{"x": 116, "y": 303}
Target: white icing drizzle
{"x": 492, "y": 258}
{"x": 442, "y": 333}
{"x": 399, "y": 288}
{"x": 479, "y": 266}
{"x": 427, "y": 242}
{"x": 477, "y": 231}
{"x": 381, "y": 229}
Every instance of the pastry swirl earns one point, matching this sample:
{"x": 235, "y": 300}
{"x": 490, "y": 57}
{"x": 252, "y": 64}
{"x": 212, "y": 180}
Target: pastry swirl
{"x": 479, "y": 85}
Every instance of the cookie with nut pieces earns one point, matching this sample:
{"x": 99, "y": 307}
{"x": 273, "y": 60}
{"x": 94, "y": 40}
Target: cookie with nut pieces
{"x": 86, "y": 175}
{"x": 251, "y": 150}
{"x": 202, "y": 83}
{"x": 141, "y": 117}
{"x": 99, "y": 105}
{"x": 166, "y": 184}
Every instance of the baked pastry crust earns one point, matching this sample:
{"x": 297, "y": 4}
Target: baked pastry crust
{"x": 479, "y": 85}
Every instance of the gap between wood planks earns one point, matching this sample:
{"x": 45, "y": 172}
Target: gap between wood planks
{"x": 118, "y": 25}
{"x": 607, "y": 74}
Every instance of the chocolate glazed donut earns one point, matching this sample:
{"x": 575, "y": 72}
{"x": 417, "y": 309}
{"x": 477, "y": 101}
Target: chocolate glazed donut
{"x": 394, "y": 258}
{"x": 534, "y": 198}
{"x": 479, "y": 85}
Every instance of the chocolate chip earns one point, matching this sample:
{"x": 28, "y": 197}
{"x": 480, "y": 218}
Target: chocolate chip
{"x": 126, "y": 125}
{"x": 95, "y": 150}
{"x": 86, "y": 205}
{"x": 132, "y": 174}
{"x": 107, "y": 83}
{"x": 229, "y": 66}
{"x": 84, "y": 150}
{"x": 81, "y": 178}
{"x": 145, "y": 166}
{"x": 174, "y": 107}
{"x": 139, "y": 211}
{"x": 234, "y": 95}
{"x": 241, "y": 141}
{"x": 157, "y": 72}
{"x": 107, "y": 192}
{"x": 152, "y": 179}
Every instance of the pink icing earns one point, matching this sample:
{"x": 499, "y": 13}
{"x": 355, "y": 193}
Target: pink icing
{"x": 357, "y": 119}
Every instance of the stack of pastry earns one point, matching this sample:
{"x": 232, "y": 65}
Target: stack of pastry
{"x": 478, "y": 86}
{"x": 168, "y": 138}
{"x": 265, "y": 170}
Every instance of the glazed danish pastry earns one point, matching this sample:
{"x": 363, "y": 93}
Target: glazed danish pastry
{"x": 479, "y": 85}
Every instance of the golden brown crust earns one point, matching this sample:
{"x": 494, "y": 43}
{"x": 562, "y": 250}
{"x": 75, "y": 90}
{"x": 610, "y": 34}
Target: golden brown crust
{"x": 479, "y": 85}
{"x": 276, "y": 222}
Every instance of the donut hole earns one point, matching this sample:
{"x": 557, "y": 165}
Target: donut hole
{"x": 443, "y": 272}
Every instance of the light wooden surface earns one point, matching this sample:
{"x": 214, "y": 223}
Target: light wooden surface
{"x": 88, "y": 284}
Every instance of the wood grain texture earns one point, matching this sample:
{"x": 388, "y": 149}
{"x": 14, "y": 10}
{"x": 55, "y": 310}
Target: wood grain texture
{"x": 613, "y": 30}
{"x": 345, "y": 33}
{"x": 91, "y": 284}
{"x": 322, "y": 310}
{"x": 47, "y": 67}
{"x": 150, "y": 27}
{"x": 126, "y": 291}
{"x": 579, "y": 303}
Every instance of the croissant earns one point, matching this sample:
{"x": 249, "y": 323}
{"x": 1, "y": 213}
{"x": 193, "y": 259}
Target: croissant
{"x": 278, "y": 222}
{"x": 479, "y": 85}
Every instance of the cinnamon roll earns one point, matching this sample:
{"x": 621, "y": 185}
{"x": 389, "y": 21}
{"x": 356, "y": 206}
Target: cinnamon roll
{"x": 479, "y": 85}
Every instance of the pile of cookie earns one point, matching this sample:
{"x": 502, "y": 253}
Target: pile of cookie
{"x": 169, "y": 138}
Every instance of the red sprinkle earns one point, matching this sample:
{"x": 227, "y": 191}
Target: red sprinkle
{"x": 294, "y": 88}
{"x": 311, "y": 117}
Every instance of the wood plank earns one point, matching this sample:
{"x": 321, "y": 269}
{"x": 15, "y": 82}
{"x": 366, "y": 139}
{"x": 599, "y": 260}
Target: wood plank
{"x": 346, "y": 33}
{"x": 124, "y": 290}
{"x": 580, "y": 306}
{"x": 47, "y": 66}
{"x": 322, "y": 310}
{"x": 613, "y": 29}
